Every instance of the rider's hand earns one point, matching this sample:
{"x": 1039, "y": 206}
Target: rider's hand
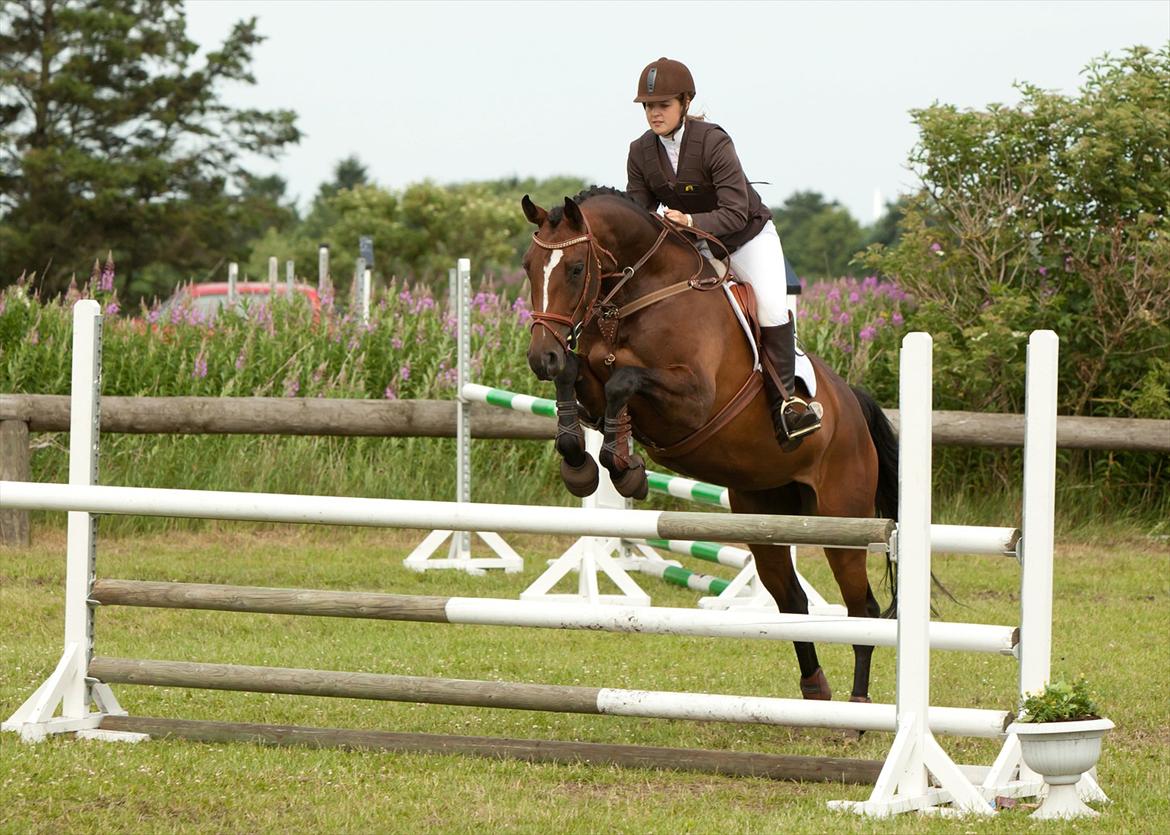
{"x": 678, "y": 217}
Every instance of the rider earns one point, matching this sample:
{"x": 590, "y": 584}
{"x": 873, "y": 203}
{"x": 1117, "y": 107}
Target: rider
{"x": 690, "y": 166}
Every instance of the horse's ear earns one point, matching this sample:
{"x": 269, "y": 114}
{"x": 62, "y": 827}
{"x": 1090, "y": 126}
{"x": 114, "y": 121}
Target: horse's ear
{"x": 573, "y": 212}
{"x": 534, "y": 213}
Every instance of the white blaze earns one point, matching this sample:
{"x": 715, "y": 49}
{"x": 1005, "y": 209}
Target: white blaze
{"x": 553, "y": 260}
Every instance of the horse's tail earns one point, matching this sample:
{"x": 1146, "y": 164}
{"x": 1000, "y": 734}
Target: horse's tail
{"x": 885, "y": 441}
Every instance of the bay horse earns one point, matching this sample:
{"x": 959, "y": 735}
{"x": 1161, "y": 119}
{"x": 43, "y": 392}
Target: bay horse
{"x": 632, "y": 325}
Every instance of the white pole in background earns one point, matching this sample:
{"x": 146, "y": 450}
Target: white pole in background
{"x": 364, "y": 302}
{"x": 290, "y": 274}
{"x": 461, "y": 542}
{"x": 233, "y": 276}
{"x": 273, "y": 271}
{"x": 322, "y": 268}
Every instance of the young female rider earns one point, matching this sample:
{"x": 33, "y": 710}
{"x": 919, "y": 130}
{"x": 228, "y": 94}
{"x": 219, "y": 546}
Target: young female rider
{"x": 690, "y": 166}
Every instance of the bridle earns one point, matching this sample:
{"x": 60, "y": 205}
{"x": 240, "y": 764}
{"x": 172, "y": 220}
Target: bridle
{"x": 588, "y": 305}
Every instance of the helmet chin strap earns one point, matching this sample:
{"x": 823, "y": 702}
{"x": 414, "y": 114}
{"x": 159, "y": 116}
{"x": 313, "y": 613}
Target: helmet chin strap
{"x": 681, "y": 120}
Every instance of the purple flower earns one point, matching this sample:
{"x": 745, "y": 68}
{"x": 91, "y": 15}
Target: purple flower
{"x": 935, "y": 247}
{"x": 200, "y": 369}
{"x": 291, "y": 386}
{"x": 396, "y": 343}
{"x": 106, "y": 281}
{"x": 844, "y": 318}
{"x": 896, "y": 318}
{"x": 867, "y": 333}
{"x": 112, "y": 309}
{"x": 404, "y": 372}
{"x": 390, "y": 393}
{"x": 854, "y": 297}
{"x": 1043, "y": 271}
{"x": 241, "y": 358}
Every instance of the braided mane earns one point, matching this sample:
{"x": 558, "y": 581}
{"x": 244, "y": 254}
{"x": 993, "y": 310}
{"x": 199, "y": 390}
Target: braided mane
{"x": 556, "y": 213}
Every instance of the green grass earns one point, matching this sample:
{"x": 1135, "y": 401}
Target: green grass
{"x": 1112, "y": 623}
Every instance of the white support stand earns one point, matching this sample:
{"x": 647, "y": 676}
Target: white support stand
{"x": 589, "y": 555}
{"x": 903, "y": 784}
{"x": 747, "y": 592}
{"x": 69, "y": 688}
{"x": 459, "y": 554}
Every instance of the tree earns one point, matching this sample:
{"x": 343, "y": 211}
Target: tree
{"x": 1049, "y": 214}
{"x": 819, "y": 237}
{"x": 112, "y": 137}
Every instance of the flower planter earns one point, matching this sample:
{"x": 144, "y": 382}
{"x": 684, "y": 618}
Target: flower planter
{"x": 1061, "y": 752}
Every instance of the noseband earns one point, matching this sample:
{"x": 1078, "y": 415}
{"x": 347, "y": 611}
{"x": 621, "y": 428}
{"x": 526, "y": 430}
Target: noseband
{"x": 588, "y": 306}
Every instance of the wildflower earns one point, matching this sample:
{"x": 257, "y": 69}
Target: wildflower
{"x": 937, "y": 249}
{"x": 404, "y": 372}
{"x": 241, "y": 358}
{"x": 34, "y": 338}
{"x": 896, "y": 318}
{"x": 854, "y": 297}
{"x": 291, "y": 386}
{"x": 112, "y": 309}
{"x": 390, "y": 393}
{"x": 867, "y": 333}
{"x": 106, "y": 282}
{"x": 200, "y": 369}
{"x": 1043, "y": 271}
{"x": 396, "y": 343}
{"x": 844, "y": 318}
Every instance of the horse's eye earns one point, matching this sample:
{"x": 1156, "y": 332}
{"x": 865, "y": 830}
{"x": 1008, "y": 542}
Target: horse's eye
{"x": 576, "y": 270}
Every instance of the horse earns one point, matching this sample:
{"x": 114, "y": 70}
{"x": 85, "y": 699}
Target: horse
{"x": 632, "y": 325}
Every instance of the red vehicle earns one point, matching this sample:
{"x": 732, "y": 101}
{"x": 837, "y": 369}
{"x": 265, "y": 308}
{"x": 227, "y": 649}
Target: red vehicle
{"x": 211, "y": 297}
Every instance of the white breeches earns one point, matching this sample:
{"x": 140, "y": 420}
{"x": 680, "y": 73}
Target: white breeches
{"x": 760, "y": 263}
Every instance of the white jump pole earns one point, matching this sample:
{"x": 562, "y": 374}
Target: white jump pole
{"x": 902, "y": 785}
{"x": 322, "y": 268}
{"x": 273, "y": 274}
{"x": 233, "y": 276}
{"x": 459, "y": 554}
{"x": 289, "y": 276}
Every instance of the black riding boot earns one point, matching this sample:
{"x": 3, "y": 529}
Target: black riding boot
{"x": 793, "y": 418}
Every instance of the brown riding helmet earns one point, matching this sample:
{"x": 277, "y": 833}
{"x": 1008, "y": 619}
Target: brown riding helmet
{"x": 664, "y": 80}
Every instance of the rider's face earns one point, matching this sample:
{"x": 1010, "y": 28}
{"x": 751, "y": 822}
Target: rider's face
{"x": 663, "y": 116}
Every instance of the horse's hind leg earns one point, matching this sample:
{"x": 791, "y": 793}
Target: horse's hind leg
{"x": 777, "y": 573}
{"x": 849, "y": 569}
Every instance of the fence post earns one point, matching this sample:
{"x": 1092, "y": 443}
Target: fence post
{"x": 290, "y": 276}
{"x": 15, "y": 465}
{"x": 273, "y": 270}
{"x": 322, "y": 268}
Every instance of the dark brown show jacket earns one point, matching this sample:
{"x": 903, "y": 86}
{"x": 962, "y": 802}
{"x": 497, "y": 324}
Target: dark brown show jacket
{"x": 710, "y": 185}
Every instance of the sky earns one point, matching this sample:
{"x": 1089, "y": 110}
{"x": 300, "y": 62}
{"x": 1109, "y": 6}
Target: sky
{"x": 816, "y": 96}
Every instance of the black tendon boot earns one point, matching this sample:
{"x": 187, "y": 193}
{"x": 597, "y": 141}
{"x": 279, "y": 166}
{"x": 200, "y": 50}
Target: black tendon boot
{"x": 792, "y": 417}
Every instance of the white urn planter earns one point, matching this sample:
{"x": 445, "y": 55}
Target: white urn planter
{"x": 1061, "y": 752}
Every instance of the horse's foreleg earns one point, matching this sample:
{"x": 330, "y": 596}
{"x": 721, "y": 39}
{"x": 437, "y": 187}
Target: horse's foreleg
{"x": 578, "y": 469}
{"x": 626, "y": 469}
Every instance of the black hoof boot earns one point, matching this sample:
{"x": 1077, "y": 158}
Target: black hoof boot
{"x": 632, "y": 483}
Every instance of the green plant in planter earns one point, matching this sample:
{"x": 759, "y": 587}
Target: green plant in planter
{"x": 1060, "y": 731}
{"x": 1059, "y": 702}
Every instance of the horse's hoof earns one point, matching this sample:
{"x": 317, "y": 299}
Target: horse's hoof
{"x": 855, "y": 735}
{"x": 581, "y": 481}
{"x": 632, "y": 483}
{"x": 816, "y": 686}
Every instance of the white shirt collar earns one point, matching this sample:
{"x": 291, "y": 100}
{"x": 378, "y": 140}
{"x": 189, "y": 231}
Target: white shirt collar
{"x": 673, "y": 146}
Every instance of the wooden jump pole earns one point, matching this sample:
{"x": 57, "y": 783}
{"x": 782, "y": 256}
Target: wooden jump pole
{"x": 727, "y": 763}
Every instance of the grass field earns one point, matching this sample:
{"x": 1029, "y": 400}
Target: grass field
{"x": 1112, "y": 623}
